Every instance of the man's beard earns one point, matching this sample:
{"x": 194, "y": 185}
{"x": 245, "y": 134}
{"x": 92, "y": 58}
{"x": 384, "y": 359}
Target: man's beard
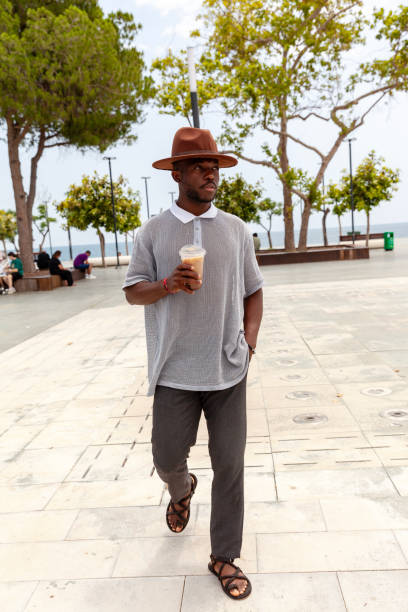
{"x": 193, "y": 195}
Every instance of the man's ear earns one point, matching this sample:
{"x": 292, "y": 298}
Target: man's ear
{"x": 176, "y": 176}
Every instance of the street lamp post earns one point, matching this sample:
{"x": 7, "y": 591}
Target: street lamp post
{"x": 109, "y": 159}
{"x": 350, "y": 140}
{"x": 146, "y": 178}
{"x": 69, "y": 241}
{"x": 172, "y": 193}
{"x": 193, "y": 86}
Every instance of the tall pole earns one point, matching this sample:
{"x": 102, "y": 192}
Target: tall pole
{"x": 193, "y": 86}
{"x": 351, "y": 192}
{"x": 113, "y": 209}
{"x": 69, "y": 241}
{"x": 48, "y": 226}
{"x": 146, "y": 178}
{"x": 172, "y": 193}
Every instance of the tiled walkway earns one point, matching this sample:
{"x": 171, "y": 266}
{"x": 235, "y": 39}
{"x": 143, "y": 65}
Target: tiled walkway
{"x": 82, "y": 524}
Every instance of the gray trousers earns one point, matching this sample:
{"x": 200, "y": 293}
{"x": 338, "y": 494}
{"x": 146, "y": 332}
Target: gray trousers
{"x": 176, "y": 416}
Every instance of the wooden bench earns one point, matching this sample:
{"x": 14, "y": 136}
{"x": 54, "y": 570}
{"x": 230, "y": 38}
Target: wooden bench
{"x": 42, "y": 280}
{"x": 349, "y": 238}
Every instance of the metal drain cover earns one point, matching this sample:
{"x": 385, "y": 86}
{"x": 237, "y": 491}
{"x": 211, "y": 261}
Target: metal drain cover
{"x": 286, "y": 362}
{"x": 377, "y": 391}
{"x": 312, "y": 417}
{"x": 300, "y": 395}
{"x": 293, "y": 377}
{"x": 395, "y": 415}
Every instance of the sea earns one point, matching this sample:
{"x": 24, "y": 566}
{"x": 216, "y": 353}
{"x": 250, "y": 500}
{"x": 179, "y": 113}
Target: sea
{"x": 315, "y": 237}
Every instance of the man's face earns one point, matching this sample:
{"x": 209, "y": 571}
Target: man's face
{"x": 198, "y": 179}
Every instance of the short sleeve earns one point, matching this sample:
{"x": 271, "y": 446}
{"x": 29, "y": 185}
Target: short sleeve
{"x": 142, "y": 265}
{"x": 253, "y": 279}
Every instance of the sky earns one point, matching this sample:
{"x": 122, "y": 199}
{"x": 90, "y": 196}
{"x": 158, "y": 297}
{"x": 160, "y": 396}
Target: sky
{"x": 166, "y": 25}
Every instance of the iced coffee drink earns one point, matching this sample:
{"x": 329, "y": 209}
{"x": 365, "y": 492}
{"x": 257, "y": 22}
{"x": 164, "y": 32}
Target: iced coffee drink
{"x": 193, "y": 256}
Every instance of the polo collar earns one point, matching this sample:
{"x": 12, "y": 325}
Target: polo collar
{"x": 185, "y": 217}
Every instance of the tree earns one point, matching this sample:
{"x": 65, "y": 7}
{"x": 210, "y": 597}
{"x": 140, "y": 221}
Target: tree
{"x": 334, "y": 198}
{"x": 236, "y": 196}
{"x": 278, "y": 64}
{"x": 68, "y": 77}
{"x": 8, "y": 228}
{"x": 89, "y": 204}
{"x": 373, "y": 183}
{"x": 42, "y": 221}
{"x": 270, "y": 208}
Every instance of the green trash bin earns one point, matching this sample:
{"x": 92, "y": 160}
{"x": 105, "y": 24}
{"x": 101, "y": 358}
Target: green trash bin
{"x": 388, "y": 241}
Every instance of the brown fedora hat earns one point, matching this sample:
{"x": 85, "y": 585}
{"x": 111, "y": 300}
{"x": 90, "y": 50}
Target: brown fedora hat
{"x": 190, "y": 143}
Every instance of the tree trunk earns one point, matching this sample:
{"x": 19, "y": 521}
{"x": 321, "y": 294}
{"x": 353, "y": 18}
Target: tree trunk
{"x": 269, "y": 238}
{"x": 23, "y": 220}
{"x": 43, "y": 240}
{"x": 304, "y": 225}
{"x": 287, "y": 194}
{"x": 340, "y": 230}
{"x": 24, "y": 203}
{"x": 325, "y": 213}
{"x": 126, "y": 244}
{"x": 368, "y": 227}
{"x": 4, "y": 247}
{"x": 102, "y": 246}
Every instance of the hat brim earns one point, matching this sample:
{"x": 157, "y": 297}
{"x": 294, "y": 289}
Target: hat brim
{"x": 224, "y": 161}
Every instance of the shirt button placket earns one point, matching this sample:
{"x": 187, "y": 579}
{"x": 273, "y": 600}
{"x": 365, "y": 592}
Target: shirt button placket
{"x": 197, "y": 232}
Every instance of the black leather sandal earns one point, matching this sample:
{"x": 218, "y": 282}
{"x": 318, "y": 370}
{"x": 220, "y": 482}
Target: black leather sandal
{"x": 182, "y": 521}
{"x": 227, "y": 581}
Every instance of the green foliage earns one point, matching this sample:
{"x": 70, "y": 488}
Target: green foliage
{"x": 20, "y": 8}
{"x": 335, "y": 198}
{"x": 269, "y": 208}
{"x": 42, "y": 221}
{"x": 89, "y": 205}
{"x": 373, "y": 183}
{"x": 68, "y": 77}
{"x": 72, "y": 77}
{"x": 236, "y": 196}
{"x": 273, "y": 64}
{"x": 8, "y": 225}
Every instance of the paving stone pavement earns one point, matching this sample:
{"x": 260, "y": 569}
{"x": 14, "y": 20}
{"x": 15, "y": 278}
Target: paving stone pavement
{"x": 326, "y": 528}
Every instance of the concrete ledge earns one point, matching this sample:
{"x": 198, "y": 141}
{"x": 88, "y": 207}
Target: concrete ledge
{"x": 110, "y": 261}
{"x": 312, "y": 254}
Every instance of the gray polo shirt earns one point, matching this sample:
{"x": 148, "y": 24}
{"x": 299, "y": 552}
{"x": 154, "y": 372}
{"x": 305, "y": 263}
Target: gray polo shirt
{"x": 196, "y": 342}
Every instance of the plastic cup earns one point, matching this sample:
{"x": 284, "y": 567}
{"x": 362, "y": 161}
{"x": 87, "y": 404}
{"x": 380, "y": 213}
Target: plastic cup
{"x": 194, "y": 256}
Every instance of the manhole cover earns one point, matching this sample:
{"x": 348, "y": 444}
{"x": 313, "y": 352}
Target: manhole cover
{"x": 395, "y": 415}
{"x": 300, "y": 395}
{"x": 293, "y": 377}
{"x": 286, "y": 362}
{"x": 377, "y": 391}
{"x": 312, "y": 417}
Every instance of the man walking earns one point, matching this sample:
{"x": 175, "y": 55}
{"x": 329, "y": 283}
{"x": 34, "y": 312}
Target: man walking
{"x": 201, "y": 334}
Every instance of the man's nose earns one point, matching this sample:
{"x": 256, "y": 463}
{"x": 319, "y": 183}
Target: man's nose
{"x": 209, "y": 173}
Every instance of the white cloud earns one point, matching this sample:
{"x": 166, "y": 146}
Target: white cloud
{"x": 167, "y": 6}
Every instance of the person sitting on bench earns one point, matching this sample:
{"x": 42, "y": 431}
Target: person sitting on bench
{"x": 43, "y": 260}
{"x": 57, "y": 268}
{"x": 81, "y": 263}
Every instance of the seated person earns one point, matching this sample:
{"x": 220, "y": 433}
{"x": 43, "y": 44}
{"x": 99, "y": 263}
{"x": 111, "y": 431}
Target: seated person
{"x": 81, "y": 263}
{"x": 43, "y": 260}
{"x": 15, "y": 269}
{"x": 6, "y": 282}
{"x": 57, "y": 268}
